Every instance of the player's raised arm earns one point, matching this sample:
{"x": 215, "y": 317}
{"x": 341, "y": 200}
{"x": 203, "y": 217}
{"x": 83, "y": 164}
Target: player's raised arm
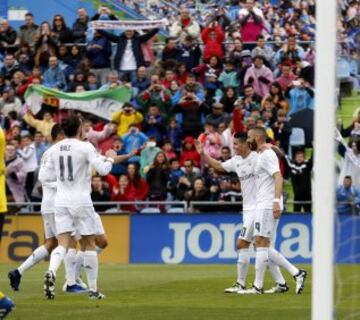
{"x": 102, "y": 166}
{"x": 217, "y": 165}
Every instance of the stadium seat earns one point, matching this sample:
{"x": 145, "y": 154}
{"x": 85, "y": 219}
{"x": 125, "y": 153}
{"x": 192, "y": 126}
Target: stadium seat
{"x": 297, "y": 138}
{"x": 175, "y": 210}
{"x": 150, "y": 210}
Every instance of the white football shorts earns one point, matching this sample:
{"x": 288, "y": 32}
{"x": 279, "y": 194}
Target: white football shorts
{"x": 247, "y": 230}
{"x": 265, "y": 224}
{"x": 83, "y": 221}
{"x": 49, "y": 225}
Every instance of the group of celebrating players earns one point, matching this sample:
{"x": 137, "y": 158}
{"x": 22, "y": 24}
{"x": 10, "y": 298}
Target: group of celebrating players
{"x": 257, "y": 166}
{"x": 69, "y": 216}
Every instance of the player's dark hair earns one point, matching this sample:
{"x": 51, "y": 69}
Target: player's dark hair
{"x": 56, "y": 131}
{"x": 71, "y": 126}
{"x": 240, "y": 136}
{"x": 348, "y": 177}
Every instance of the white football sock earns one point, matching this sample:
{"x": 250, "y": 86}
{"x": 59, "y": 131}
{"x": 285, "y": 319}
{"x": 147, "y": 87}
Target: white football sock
{"x": 70, "y": 266}
{"x": 79, "y": 264}
{"x": 91, "y": 267}
{"x": 276, "y": 273}
{"x": 262, "y": 260}
{"x": 243, "y": 266}
{"x": 282, "y": 262}
{"x": 56, "y": 258}
{"x": 38, "y": 255}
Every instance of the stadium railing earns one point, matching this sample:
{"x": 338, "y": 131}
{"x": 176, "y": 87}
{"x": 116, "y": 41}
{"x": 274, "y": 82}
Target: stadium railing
{"x": 115, "y": 207}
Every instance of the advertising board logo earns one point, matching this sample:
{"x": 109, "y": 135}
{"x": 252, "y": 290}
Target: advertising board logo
{"x": 188, "y": 240}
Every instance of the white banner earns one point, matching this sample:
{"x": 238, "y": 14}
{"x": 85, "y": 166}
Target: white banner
{"x": 129, "y": 24}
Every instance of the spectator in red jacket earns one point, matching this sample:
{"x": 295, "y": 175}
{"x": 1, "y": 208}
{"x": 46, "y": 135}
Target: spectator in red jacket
{"x": 189, "y": 152}
{"x": 213, "y": 38}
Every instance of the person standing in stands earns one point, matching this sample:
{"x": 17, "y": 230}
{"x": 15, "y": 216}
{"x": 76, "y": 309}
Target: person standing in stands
{"x": 128, "y": 57}
{"x": 300, "y": 173}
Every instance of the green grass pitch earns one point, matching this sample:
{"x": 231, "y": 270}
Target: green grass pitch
{"x": 154, "y": 292}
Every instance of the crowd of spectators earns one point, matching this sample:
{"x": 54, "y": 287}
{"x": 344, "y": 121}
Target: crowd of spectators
{"x": 215, "y": 75}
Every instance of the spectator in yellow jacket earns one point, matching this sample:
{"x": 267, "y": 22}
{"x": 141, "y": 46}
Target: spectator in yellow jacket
{"x": 127, "y": 116}
{"x": 44, "y": 126}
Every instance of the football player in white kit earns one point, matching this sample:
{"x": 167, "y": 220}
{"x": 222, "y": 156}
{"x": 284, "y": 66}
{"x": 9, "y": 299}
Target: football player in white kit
{"x": 47, "y": 212}
{"x": 243, "y": 164}
{"x": 70, "y": 162}
{"x": 268, "y": 182}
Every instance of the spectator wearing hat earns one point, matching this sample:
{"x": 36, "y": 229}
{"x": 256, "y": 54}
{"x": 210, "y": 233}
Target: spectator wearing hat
{"x": 213, "y": 38}
{"x": 125, "y": 117}
{"x": 98, "y": 51}
{"x": 259, "y": 76}
{"x": 252, "y": 23}
{"x": 189, "y": 152}
{"x": 184, "y": 27}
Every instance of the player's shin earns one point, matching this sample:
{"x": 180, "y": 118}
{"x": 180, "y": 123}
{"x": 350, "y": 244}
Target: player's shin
{"x": 38, "y": 255}
{"x": 91, "y": 268}
{"x": 282, "y": 262}
{"x": 70, "y": 266}
{"x": 262, "y": 260}
{"x": 56, "y": 258}
{"x": 276, "y": 273}
{"x": 243, "y": 266}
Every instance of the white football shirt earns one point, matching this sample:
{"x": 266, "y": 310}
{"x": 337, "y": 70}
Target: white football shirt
{"x": 266, "y": 165}
{"x": 244, "y": 168}
{"x": 71, "y": 160}
{"x": 48, "y": 184}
